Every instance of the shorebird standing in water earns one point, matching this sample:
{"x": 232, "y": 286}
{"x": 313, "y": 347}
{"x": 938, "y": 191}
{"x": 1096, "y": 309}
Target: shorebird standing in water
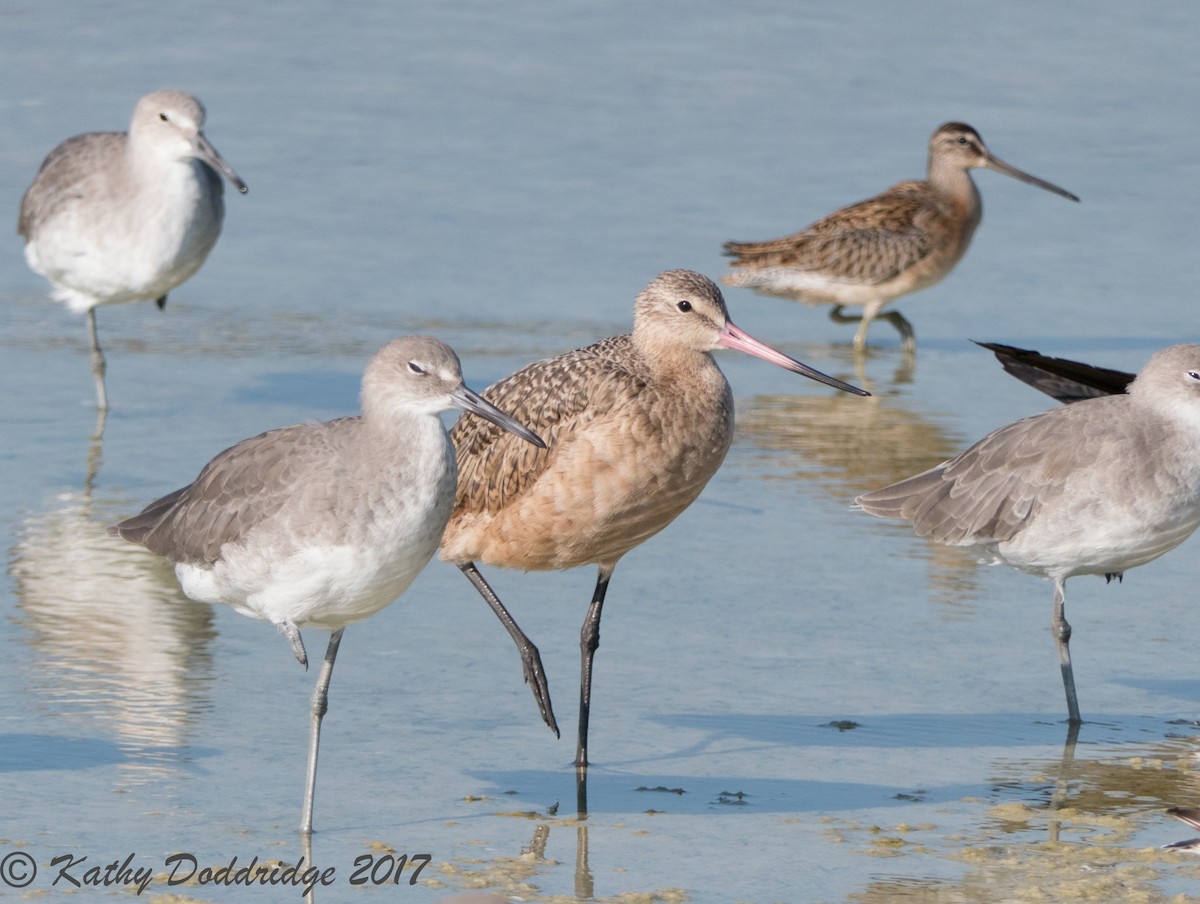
{"x": 1097, "y": 487}
{"x": 870, "y": 253}
{"x": 635, "y": 426}
{"x": 323, "y": 525}
{"x": 126, "y": 216}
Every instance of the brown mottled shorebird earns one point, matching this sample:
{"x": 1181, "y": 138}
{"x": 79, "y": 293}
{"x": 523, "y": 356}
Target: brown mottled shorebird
{"x": 1060, "y": 378}
{"x": 635, "y": 426}
{"x": 1097, "y": 487}
{"x": 870, "y": 253}
{"x": 126, "y": 216}
{"x": 325, "y": 524}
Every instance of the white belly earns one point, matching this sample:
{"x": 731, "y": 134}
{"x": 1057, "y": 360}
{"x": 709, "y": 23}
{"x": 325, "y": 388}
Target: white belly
{"x": 104, "y": 254}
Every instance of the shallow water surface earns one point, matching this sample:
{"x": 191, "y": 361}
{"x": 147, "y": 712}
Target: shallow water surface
{"x": 793, "y": 701}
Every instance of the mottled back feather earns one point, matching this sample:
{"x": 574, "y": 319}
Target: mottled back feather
{"x": 551, "y": 397}
{"x": 871, "y": 241}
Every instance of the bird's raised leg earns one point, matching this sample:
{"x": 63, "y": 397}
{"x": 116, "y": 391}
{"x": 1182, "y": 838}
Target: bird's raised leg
{"x": 531, "y": 659}
{"x": 589, "y": 640}
{"x": 292, "y": 633}
{"x": 98, "y": 364}
{"x": 320, "y": 705}
{"x": 1062, "y": 639}
{"x": 837, "y": 316}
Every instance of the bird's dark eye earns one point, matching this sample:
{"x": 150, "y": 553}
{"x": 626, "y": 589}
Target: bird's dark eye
{"x": 962, "y": 139}
{"x": 684, "y": 306}
{"x": 1194, "y": 375}
{"x": 416, "y": 368}
{"x": 163, "y": 117}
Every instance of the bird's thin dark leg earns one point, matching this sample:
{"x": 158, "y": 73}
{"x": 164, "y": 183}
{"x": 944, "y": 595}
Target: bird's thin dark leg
{"x": 292, "y": 633}
{"x": 837, "y": 316}
{"x": 908, "y": 338}
{"x": 531, "y": 659}
{"x": 1062, "y": 638}
{"x": 320, "y": 705}
{"x": 589, "y": 640}
{"x": 98, "y": 364}
{"x": 581, "y": 804}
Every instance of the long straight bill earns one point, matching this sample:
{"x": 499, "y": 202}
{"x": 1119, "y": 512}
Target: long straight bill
{"x": 206, "y": 152}
{"x": 1008, "y": 169}
{"x": 735, "y": 337}
{"x": 469, "y": 400}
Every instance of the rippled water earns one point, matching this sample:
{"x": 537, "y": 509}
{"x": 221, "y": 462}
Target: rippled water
{"x": 794, "y": 702}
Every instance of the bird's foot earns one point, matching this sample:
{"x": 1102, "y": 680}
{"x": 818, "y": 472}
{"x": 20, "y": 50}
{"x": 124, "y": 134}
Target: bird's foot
{"x": 292, "y": 633}
{"x": 535, "y": 677}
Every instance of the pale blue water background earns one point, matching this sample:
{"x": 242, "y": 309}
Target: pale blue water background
{"x": 508, "y": 176}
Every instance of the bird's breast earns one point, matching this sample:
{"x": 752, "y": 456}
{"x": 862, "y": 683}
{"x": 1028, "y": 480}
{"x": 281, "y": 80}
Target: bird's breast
{"x": 611, "y": 484}
{"x": 130, "y": 239}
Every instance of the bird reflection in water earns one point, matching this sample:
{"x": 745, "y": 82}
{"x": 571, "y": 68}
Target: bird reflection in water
{"x": 841, "y": 448}
{"x": 115, "y": 646}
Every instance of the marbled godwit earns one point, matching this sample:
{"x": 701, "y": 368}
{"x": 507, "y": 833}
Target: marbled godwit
{"x": 126, "y": 216}
{"x": 872, "y": 252}
{"x": 324, "y": 524}
{"x": 1060, "y": 378}
{"x": 1097, "y": 487}
{"x": 635, "y": 426}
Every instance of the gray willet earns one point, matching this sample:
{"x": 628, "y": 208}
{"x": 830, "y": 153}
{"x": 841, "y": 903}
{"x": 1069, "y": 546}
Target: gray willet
{"x": 1097, "y": 487}
{"x": 126, "y": 216}
{"x": 871, "y": 253}
{"x": 635, "y": 426}
{"x": 323, "y": 525}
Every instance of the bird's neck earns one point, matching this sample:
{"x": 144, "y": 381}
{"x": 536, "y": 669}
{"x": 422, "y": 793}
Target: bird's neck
{"x": 149, "y": 170}
{"x": 955, "y": 185}
{"x": 388, "y": 425}
{"x": 666, "y": 359}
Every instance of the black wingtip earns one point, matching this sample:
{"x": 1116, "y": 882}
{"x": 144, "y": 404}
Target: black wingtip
{"x": 1060, "y": 378}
